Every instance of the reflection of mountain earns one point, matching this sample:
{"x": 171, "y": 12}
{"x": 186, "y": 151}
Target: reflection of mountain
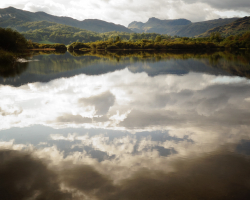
{"x": 50, "y": 67}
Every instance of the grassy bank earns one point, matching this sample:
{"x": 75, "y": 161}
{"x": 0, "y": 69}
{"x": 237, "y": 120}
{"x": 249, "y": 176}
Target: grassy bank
{"x": 57, "y": 47}
{"x": 141, "y": 45}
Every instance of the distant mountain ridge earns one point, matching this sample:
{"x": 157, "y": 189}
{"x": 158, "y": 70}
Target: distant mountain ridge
{"x": 239, "y": 26}
{"x": 11, "y": 17}
{"x": 198, "y": 28}
{"x": 154, "y": 25}
{"x": 179, "y": 27}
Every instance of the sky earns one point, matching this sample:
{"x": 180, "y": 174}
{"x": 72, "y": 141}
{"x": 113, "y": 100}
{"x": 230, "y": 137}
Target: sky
{"x": 125, "y": 11}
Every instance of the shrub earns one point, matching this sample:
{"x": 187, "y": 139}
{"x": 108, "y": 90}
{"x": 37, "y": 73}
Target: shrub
{"x": 77, "y": 46}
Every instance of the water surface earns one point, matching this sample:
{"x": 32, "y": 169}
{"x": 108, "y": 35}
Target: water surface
{"x": 126, "y": 126}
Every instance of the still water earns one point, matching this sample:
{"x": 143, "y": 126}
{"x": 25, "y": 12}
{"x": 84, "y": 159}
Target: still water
{"x": 126, "y": 126}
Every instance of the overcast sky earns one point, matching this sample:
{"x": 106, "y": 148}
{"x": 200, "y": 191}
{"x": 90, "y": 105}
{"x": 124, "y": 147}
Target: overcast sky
{"x": 125, "y": 11}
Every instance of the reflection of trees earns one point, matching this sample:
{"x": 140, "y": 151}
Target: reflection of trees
{"x": 236, "y": 63}
{"x": 41, "y": 52}
{"x": 50, "y": 62}
{"x": 13, "y": 69}
{"x": 141, "y": 55}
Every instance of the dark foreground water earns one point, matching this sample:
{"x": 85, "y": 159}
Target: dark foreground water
{"x": 126, "y": 126}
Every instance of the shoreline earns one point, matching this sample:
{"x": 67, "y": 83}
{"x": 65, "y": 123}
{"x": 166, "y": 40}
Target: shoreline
{"x": 46, "y": 49}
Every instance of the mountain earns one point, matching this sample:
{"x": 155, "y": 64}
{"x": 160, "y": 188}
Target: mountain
{"x": 239, "y": 26}
{"x": 154, "y": 25}
{"x": 198, "y": 28}
{"x": 180, "y": 27}
{"x": 12, "y": 17}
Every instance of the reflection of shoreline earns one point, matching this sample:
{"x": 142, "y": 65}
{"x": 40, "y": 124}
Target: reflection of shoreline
{"x": 13, "y": 70}
{"x": 56, "y": 64}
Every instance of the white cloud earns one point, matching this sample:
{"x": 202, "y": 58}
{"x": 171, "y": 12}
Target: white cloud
{"x": 125, "y": 11}
{"x": 124, "y": 100}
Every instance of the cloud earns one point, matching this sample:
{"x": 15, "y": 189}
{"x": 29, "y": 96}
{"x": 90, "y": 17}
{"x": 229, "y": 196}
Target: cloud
{"x": 24, "y": 177}
{"x": 129, "y": 101}
{"x": 89, "y": 181}
{"x": 69, "y": 118}
{"x": 140, "y": 119}
{"x": 101, "y": 102}
{"x": 126, "y": 11}
{"x": 220, "y": 174}
{"x": 228, "y": 5}
{"x": 213, "y": 176}
{"x": 4, "y": 113}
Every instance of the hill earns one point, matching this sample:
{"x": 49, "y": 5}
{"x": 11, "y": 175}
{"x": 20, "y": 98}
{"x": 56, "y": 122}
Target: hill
{"x": 12, "y": 17}
{"x": 56, "y": 33}
{"x": 239, "y": 26}
{"x": 179, "y": 27}
{"x": 51, "y": 32}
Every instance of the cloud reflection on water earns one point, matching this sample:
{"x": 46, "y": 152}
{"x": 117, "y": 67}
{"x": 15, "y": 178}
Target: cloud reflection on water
{"x": 126, "y": 136}
{"x": 219, "y": 175}
{"x": 121, "y": 99}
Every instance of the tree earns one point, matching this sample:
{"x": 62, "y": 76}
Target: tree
{"x": 216, "y": 37}
{"x": 158, "y": 38}
{"x": 117, "y": 39}
{"x": 11, "y": 40}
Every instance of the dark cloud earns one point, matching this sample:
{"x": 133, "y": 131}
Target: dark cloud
{"x": 244, "y": 147}
{"x": 69, "y": 118}
{"x": 102, "y": 102}
{"x": 101, "y": 119}
{"x": 137, "y": 119}
{"x": 228, "y": 4}
{"x": 89, "y": 181}
{"x": 23, "y": 177}
{"x": 218, "y": 175}
{"x": 5, "y": 113}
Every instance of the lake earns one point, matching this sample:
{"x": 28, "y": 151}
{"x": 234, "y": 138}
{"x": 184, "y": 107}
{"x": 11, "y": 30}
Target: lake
{"x": 126, "y": 125}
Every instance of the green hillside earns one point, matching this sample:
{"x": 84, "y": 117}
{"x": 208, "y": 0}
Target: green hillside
{"x": 239, "y": 26}
{"x": 51, "y": 32}
{"x": 179, "y": 27}
{"x": 56, "y": 33}
{"x": 12, "y": 17}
